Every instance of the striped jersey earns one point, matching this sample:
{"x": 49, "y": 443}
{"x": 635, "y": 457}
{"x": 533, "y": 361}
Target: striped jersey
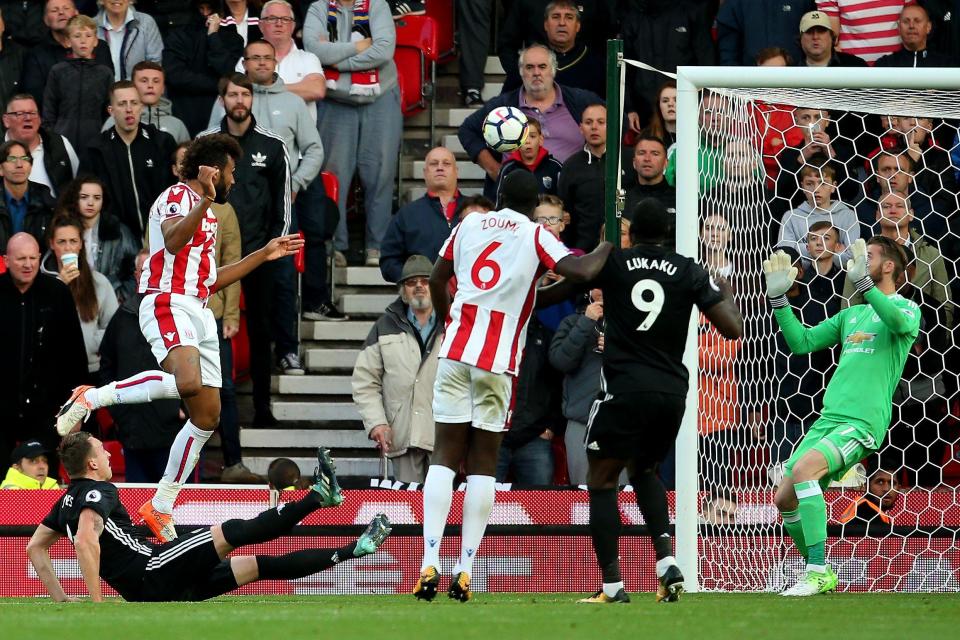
{"x": 193, "y": 270}
{"x": 497, "y": 258}
{"x": 868, "y": 28}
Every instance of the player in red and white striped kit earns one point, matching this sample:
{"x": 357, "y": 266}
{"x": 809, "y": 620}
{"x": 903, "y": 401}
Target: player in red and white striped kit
{"x": 497, "y": 257}
{"x": 177, "y": 279}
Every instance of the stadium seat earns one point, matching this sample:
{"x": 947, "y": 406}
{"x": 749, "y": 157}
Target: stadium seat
{"x": 241, "y": 347}
{"x": 117, "y": 461}
{"x": 416, "y": 47}
{"x": 443, "y": 13}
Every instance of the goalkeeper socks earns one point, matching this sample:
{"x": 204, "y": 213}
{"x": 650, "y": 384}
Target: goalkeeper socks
{"x": 301, "y": 564}
{"x": 652, "y": 500}
{"x": 791, "y": 522}
{"x": 184, "y": 453}
{"x": 138, "y": 389}
{"x": 813, "y": 519}
{"x": 481, "y": 492}
{"x": 437, "y": 496}
{"x": 272, "y": 523}
{"x": 605, "y": 534}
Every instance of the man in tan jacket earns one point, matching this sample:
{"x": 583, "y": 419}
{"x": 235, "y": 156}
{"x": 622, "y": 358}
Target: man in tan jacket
{"x": 394, "y": 374}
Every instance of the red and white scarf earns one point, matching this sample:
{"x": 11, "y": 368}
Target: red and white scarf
{"x": 362, "y": 82}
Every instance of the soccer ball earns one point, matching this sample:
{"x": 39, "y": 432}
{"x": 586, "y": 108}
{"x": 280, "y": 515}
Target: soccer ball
{"x": 505, "y": 129}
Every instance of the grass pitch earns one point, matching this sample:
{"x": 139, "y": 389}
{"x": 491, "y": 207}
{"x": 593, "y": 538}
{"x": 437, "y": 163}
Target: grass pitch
{"x": 498, "y": 616}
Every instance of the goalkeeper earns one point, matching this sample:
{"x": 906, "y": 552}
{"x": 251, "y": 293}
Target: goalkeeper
{"x": 875, "y": 339}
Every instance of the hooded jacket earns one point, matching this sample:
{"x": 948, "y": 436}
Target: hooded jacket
{"x": 393, "y": 380}
{"x": 286, "y": 114}
{"x": 572, "y": 353}
{"x": 261, "y": 194}
{"x": 796, "y": 225}
{"x": 75, "y": 100}
{"x": 161, "y": 116}
{"x": 135, "y": 174}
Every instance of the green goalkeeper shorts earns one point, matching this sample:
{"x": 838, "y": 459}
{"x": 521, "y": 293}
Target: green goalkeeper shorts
{"x": 843, "y": 444}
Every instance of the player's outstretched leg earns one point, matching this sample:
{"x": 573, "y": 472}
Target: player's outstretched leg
{"x": 138, "y": 389}
{"x": 280, "y": 520}
{"x": 437, "y": 496}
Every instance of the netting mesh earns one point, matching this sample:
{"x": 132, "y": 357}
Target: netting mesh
{"x": 812, "y": 170}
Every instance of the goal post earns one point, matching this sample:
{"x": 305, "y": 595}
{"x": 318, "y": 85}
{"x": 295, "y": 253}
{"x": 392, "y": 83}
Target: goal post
{"x": 919, "y": 93}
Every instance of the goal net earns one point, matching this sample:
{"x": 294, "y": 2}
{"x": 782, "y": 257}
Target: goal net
{"x": 811, "y": 169}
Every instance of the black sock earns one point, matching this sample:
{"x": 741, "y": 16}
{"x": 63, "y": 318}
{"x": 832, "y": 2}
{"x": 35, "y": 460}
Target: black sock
{"x": 300, "y": 564}
{"x": 652, "y": 500}
{"x": 270, "y": 524}
{"x": 605, "y": 532}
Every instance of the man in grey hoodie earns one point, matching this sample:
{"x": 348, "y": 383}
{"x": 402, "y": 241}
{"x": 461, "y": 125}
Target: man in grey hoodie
{"x": 157, "y": 110}
{"x": 360, "y": 119}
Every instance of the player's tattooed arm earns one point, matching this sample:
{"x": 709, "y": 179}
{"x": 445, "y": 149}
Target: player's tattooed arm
{"x": 87, "y": 546}
{"x": 38, "y": 550}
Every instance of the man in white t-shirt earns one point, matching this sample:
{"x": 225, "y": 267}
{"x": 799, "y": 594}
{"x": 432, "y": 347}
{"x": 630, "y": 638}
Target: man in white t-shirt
{"x": 497, "y": 258}
{"x": 300, "y": 70}
{"x": 54, "y": 163}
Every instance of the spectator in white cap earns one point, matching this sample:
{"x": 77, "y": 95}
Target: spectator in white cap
{"x": 818, "y": 42}
{"x": 29, "y": 468}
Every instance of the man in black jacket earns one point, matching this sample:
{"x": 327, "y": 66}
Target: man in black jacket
{"x": 818, "y": 43}
{"x": 24, "y": 205}
{"x": 261, "y": 199}
{"x": 54, "y": 48}
{"x": 132, "y": 158}
{"x": 11, "y": 64}
{"x": 55, "y": 161}
{"x": 650, "y": 162}
{"x": 581, "y": 182}
{"x": 540, "y": 97}
{"x": 915, "y": 27}
{"x": 195, "y": 57}
{"x": 146, "y": 430}
{"x": 44, "y": 356}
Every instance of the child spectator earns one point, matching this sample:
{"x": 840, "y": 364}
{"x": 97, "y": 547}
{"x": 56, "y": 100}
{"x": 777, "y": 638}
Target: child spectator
{"x": 535, "y": 158}
{"x": 92, "y": 292}
{"x": 29, "y": 468}
{"x": 819, "y": 185}
{"x": 824, "y": 248}
{"x": 75, "y": 97}
{"x": 110, "y": 246}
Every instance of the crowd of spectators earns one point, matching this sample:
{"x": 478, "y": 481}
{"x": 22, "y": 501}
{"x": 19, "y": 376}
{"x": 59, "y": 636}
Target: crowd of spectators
{"x": 97, "y": 96}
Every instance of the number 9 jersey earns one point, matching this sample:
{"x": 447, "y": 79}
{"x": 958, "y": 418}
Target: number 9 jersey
{"x": 498, "y": 257}
{"x": 648, "y": 294}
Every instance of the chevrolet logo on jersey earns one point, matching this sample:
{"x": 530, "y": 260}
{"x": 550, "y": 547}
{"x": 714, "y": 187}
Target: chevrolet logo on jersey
{"x": 860, "y": 337}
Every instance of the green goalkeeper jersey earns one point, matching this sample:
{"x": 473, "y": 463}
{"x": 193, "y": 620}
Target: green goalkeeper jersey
{"x": 875, "y": 339}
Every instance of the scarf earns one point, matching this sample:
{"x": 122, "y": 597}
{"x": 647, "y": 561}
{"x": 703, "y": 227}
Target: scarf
{"x": 365, "y": 82}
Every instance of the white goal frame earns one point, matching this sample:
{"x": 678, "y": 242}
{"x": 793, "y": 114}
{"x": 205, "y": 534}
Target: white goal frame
{"x": 690, "y": 81}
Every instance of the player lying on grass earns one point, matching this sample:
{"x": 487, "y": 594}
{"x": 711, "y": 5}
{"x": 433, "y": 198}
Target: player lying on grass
{"x": 648, "y": 294}
{"x": 191, "y": 568}
{"x": 497, "y": 257}
{"x": 178, "y": 277}
{"x": 875, "y": 339}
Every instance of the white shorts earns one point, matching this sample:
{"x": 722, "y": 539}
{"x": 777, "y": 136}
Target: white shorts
{"x": 464, "y": 393}
{"x": 171, "y": 320}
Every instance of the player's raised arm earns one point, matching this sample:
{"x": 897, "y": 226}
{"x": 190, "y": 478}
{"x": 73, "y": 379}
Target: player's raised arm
{"x": 87, "y": 546}
{"x": 38, "y": 550}
{"x": 780, "y": 275}
{"x": 178, "y": 231}
{"x": 440, "y": 287}
{"x": 887, "y": 262}
{"x": 584, "y": 268}
{"x": 725, "y": 315}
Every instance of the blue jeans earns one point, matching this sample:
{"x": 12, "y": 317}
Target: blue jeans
{"x": 229, "y": 416}
{"x": 531, "y": 464}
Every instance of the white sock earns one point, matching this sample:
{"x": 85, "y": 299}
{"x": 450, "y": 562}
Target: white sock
{"x": 138, "y": 389}
{"x": 184, "y": 453}
{"x": 819, "y": 568}
{"x": 437, "y": 496}
{"x": 481, "y": 491}
{"x": 663, "y": 564}
{"x": 610, "y": 589}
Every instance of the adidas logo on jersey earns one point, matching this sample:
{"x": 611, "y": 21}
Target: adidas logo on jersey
{"x": 258, "y": 160}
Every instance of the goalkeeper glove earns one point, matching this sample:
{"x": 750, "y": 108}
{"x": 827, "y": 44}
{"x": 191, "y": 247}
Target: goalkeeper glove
{"x": 857, "y": 267}
{"x": 780, "y": 275}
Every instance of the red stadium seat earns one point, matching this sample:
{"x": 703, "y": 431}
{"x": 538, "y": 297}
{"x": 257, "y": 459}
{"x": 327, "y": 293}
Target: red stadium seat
{"x": 117, "y": 461}
{"x": 241, "y": 347}
{"x": 442, "y": 12}
{"x": 331, "y": 185}
{"x": 416, "y": 46}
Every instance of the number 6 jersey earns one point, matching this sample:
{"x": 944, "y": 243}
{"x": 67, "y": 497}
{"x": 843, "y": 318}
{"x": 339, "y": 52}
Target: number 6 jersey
{"x": 648, "y": 294}
{"x": 498, "y": 257}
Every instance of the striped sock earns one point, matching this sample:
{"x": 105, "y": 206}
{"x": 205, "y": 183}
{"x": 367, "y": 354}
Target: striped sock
{"x": 138, "y": 389}
{"x": 184, "y": 454}
{"x": 813, "y": 520}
